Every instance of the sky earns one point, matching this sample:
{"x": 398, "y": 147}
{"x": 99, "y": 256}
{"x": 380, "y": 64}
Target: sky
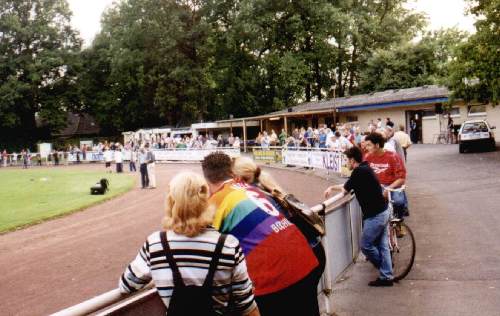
{"x": 441, "y": 13}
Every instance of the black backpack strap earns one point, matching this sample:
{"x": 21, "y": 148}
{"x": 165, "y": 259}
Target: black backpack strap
{"x": 171, "y": 262}
{"x": 215, "y": 261}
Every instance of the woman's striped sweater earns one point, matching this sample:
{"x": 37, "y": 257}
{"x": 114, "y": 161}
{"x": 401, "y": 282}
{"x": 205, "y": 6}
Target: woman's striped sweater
{"x": 193, "y": 257}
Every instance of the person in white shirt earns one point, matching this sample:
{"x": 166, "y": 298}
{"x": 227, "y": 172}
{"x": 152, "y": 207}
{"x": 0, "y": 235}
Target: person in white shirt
{"x": 392, "y": 144}
{"x": 344, "y": 142}
{"x": 133, "y": 160}
{"x": 403, "y": 139}
{"x": 332, "y": 141}
{"x": 108, "y": 158}
{"x": 150, "y": 157}
{"x": 236, "y": 143}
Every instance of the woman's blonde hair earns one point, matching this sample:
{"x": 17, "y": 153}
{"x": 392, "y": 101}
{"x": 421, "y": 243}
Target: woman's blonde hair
{"x": 187, "y": 209}
{"x": 247, "y": 170}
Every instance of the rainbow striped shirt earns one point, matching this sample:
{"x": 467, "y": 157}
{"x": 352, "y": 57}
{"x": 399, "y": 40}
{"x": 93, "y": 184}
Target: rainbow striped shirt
{"x": 277, "y": 253}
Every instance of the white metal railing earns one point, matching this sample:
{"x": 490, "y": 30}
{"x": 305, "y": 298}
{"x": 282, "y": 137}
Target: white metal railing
{"x": 64, "y": 158}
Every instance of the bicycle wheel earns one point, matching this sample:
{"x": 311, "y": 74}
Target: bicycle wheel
{"x": 403, "y": 253}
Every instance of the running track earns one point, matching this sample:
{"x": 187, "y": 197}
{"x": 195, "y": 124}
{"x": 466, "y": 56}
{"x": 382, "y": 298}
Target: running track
{"x": 62, "y": 262}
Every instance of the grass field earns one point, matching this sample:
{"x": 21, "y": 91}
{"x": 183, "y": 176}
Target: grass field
{"x": 33, "y": 195}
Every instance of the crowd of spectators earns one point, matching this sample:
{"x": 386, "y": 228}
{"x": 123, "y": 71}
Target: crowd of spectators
{"x": 163, "y": 141}
{"x": 339, "y": 137}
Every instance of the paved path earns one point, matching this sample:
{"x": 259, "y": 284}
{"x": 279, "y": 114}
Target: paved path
{"x": 62, "y": 262}
{"x": 455, "y": 214}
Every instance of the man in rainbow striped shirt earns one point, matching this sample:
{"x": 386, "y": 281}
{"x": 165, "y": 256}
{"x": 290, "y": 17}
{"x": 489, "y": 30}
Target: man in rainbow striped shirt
{"x": 280, "y": 261}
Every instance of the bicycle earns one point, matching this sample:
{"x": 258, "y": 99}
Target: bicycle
{"x": 401, "y": 242}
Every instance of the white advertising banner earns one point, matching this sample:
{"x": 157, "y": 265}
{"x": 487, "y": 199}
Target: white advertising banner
{"x": 296, "y": 157}
{"x": 90, "y": 156}
{"x": 329, "y": 160}
{"x": 44, "y": 149}
{"x": 160, "y": 155}
{"x": 191, "y": 155}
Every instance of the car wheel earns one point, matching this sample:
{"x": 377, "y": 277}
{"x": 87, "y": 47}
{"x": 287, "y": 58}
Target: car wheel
{"x": 461, "y": 148}
{"x": 493, "y": 145}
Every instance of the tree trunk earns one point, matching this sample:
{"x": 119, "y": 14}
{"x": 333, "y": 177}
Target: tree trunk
{"x": 352, "y": 67}
{"x": 317, "y": 74}
{"x": 340, "y": 67}
{"x": 308, "y": 92}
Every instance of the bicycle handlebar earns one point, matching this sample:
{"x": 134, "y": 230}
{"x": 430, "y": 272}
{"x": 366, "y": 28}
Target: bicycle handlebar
{"x": 400, "y": 189}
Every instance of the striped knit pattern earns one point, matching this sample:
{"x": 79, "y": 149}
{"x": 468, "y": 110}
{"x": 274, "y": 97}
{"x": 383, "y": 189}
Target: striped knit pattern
{"x": 193, "y": 257}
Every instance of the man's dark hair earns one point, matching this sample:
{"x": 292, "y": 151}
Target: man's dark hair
{"x": 354, "y": 153}
{"x": 217, "y": 167}
{"x": 376, "y": 138}
{"x": 337, "y": 134}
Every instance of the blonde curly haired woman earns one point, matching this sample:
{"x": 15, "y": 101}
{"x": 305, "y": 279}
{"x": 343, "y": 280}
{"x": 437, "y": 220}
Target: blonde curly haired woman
{"x": 199, "y": 258}
{"x": 246, "y": 170}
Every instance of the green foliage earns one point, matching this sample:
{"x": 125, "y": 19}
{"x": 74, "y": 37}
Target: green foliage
{"x": 148, "y": 66}
{"x": 38, "y": 50}
{"x": 475, "y": 72}
{"x": 175, "y": 62}
{"x": 412, "y": 64}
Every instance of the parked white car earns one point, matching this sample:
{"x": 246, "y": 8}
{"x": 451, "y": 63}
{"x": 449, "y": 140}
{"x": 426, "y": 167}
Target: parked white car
{"x": 476, "y": 133}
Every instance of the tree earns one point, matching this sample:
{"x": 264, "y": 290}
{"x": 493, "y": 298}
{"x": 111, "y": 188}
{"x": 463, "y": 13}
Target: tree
{"x": 38, "y": 50}
{"x": 152, "y": 57}
{"x": 412, "y": 64}
{"x": 475, "y": 72}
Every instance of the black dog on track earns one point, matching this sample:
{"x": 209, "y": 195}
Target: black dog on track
{"x": 100, "y": 187}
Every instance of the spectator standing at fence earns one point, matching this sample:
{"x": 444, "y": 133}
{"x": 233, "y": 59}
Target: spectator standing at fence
{"x": 237, "y": 142}
{"x": 220, "y": 141}
{"x": 24, "y": 156}
{"x": 143, "y": 167}
{"x": 14, "y": 158}
{"x": 280, "y": 261}
{"x": 266, "y": 141}
{"x": 392, "y": 144}
{"x": 389, "y": 169}
{"x": 273, "y": 138}
{"x": 197, "y": 255}
{"x": 133, "y": 160}
{"x": 5, "y": 157}
{"x": 379, "y": 123}
{"x": 230, "y": 140}
{"x": 283, "y": 136}
{"x": 56, "y": 157}
{"x": 389, "y": 123}
{"x": 151, "y": 167}
{"x": 322, "y": 138}
{"x": 403, "y": 139}
{"x": 118, "y": 155}
{"x": 108, "y": 158}
{"x": 374, "y": 238}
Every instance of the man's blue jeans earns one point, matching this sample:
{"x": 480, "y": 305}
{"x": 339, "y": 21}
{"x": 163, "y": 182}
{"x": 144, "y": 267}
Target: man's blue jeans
{"x": 400, "y": 204}
{"x": 375, "y": 243}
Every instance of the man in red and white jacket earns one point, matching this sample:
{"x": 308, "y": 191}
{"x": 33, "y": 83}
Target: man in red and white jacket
{"x": 390, "y": 170}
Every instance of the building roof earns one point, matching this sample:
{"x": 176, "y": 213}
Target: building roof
{"x": 79, "y": 124}
{"x": 376, "y": 100}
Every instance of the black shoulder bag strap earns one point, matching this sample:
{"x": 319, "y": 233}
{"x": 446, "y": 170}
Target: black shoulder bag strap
{"x": 178, "y": 282}
{"x": 215, "y": 261}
